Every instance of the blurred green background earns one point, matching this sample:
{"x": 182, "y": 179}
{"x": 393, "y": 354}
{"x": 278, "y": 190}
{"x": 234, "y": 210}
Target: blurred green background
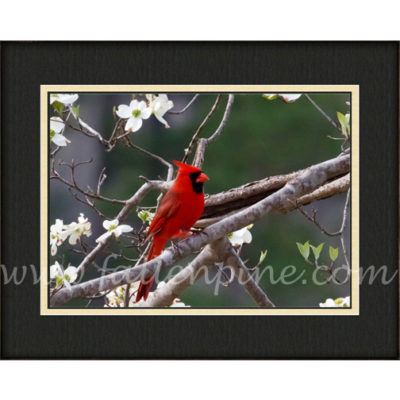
{"x": 261, "y": 138}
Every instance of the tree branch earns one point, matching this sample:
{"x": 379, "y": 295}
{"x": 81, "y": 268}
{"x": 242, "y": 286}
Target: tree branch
{"x": 165, "y": 295}
{"x": 223, "y": 203}
{"x": 332, "y": 122}
{"x": 203, "y": 143}
{"x": 186, "y": 107}
{"x": 188, "y": 150}
{"x": 244, "y": 277}
{"x": 220, "y": 250}
{"x": 149, "y": 153}
{"x": 229, "y": 105}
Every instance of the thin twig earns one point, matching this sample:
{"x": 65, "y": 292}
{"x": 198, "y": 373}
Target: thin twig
{"x": 88, "y": 203}
{"x": 149, "y": 153}
{"x": 339, "y": 233}
{"x": 202, "y": 143}
{"x": 322, "y": 112}
{"x": 228, "y": 108}
{"x": 342, "y": 229}
{"x": 73, "y": 184}
{"x": 313, "y": 219}
{"x": 245, "y": 279}
{"x": 188, "y": 150}
{"x": 186, "y": 107}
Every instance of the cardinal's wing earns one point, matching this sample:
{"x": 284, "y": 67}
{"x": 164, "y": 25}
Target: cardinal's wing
{"x": 169, "y": 206}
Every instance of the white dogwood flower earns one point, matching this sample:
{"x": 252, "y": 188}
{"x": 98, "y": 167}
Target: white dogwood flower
{"x": 56, "y": 235}
{"x": 135, "y": 113}
{"x": 159, "y": 105}
{"x": 287, "y": 97}
{"x": 67, "y": 98}
{"x": 178, "y": 303}
{"x": 339, "y": 302}
{"x": 56, "y": 128}
{"x": 61, "y": 276}
{"x": 241, "y": 236}
{"x": 60, "y": 232}
{"x": 76, "y": 229}
{"x": 113, "y": 228}
{"x": 116, "y": 298}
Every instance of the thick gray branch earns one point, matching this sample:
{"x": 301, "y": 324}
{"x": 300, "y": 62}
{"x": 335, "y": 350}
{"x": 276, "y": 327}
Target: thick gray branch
{"x": 223, "y": 203}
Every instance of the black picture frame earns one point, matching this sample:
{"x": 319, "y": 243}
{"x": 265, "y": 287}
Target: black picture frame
{"x": 374, "y": 334}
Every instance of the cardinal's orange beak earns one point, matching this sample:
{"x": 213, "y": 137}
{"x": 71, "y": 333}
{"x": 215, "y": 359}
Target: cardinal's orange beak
{"x": 202, "y": 178}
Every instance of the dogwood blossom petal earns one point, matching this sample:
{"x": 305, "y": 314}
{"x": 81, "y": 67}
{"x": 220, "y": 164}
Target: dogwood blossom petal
{"x": 287, "y": 97}
{"x": 57, "y": 124}
{"x": 159, "y": 106}
{"x": 241, "y": 236}
{"x": 178, "y": 303}
{"x": 108, "y": 224}
{"x": 124, "y": 111}
{"x": 60, "y": 140}
{"x": 56, "y": 237}
{"x": 56, "y": 271}
{"x": 70, "y": 274}
{"x": 66, "y": 99}
{"x": 337, "y": 303}
{"x": 53, "y": 249}
{"x": 103, "y": 237}
{"x": 113, "y": 228}
{"x": 145, "y": 111}
{"x": 122, "y": 229}
{"x": 133, "y": 105}
{"x": 74, "y": 237}
{"x": 133, "y": 124}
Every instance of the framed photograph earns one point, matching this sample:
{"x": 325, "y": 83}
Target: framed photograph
{"x": 204, "y": 212}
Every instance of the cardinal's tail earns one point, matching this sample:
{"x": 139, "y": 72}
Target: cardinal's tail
{"x": 145, "y": 285}
{"x": 144, "y": 289}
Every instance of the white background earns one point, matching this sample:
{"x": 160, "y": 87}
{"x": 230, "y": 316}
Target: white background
{"x": 204, "y": 20}
{"x": 199, "y": 20}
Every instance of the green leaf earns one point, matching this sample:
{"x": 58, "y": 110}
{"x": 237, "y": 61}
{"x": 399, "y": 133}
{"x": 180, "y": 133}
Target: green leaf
{"x": 59, "y": 107}
{"x": 317, "y": 250}
{"x": 269, "y": 97}
{"x": 344, "y": 121}
{"x": 262, "y": 256}
{"x": 146, "y": 215}
{"x": 75, "y": 110}
{"x": 304, "y": 249}
{"x": 333, "y": 253}
{"x": 52, "y": 133}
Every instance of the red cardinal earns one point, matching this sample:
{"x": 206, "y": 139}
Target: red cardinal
{"x": 179, "y": 209}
